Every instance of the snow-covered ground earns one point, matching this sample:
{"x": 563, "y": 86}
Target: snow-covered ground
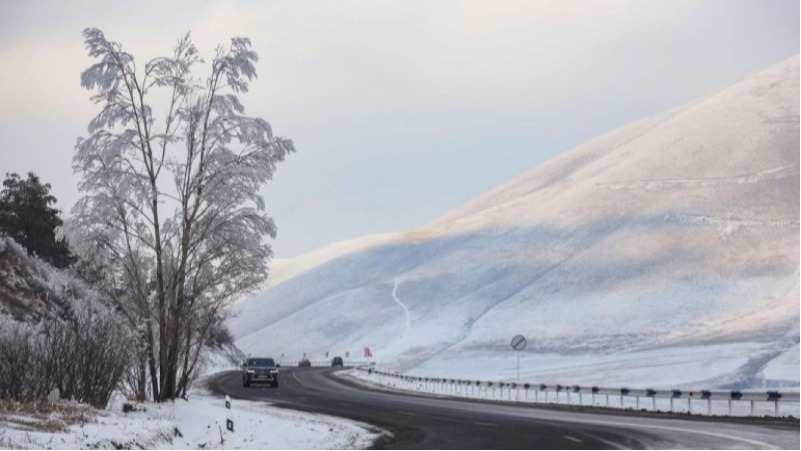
{"x": 664, "y": 253}
{"x": 199, "y": 423}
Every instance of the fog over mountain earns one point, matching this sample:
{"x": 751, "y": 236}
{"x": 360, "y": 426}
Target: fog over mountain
{"x": 662, "y": 253}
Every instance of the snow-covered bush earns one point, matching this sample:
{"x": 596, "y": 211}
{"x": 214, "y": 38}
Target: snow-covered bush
{"x": 25, "y": 376}
{"x": 88, "y": 355}
{"x": 61, "y": 335}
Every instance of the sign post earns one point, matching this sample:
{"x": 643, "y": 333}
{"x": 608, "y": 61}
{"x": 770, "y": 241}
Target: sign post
{"x": 518, "y": 344}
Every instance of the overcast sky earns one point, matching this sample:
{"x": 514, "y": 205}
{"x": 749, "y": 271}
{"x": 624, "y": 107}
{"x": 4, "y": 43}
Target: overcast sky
{"x": 400, "y": 111}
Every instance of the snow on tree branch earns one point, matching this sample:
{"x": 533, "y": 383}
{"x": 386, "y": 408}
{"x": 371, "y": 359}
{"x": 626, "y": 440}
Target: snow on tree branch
{"x": 171, "y": 172}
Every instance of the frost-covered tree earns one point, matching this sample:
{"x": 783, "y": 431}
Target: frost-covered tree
{"x": 171, "y": 173}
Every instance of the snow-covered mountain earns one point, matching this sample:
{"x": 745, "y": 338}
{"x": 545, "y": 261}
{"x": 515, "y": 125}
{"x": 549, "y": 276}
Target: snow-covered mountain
{"x": 662, "y": 253}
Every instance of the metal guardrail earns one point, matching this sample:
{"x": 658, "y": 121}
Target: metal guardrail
{"x": 355, "y": 363}
{"x": 459, "y": 387}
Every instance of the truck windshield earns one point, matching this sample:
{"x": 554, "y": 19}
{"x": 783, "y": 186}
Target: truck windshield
{"x": 261, "y": 362}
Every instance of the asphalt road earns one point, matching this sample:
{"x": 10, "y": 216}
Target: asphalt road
{"x": 423, "y": 422}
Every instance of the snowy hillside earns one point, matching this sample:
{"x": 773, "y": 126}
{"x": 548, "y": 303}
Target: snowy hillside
{"x": 662, "y": 253}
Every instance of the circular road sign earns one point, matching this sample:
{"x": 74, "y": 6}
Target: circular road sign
{"x": 519, "y": 343}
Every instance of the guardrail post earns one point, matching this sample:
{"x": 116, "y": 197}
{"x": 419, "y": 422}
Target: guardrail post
{"x": 706, "y": 394}
{"x": 774, "y": 396}
{"x": 652, "y": 393}
{"x": 752, "y": 407}
{"x": 737, "y": 396}
{"x": 673, "y": 395}
{"x": 607, "y": 400}
{"x": 637, "y": 401}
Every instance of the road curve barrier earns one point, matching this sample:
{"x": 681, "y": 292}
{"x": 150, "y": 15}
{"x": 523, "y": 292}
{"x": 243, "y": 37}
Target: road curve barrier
{"x": 690, "y": 401}
{"x": 321, "y": 363}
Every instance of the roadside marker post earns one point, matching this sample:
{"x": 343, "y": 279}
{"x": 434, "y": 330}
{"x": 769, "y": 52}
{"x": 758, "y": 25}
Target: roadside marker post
{"x": 229, "y": 423}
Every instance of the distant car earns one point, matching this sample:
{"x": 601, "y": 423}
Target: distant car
{"x": 337, "y": 361}
{"x": 304, "y": 364}
{"x": 260, "y": 369}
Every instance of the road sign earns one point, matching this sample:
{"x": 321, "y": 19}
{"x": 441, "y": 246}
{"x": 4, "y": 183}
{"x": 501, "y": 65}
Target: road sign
{"x": 519, "y": 343}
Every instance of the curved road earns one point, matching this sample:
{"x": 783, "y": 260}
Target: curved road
{"x": 434, "y": 423}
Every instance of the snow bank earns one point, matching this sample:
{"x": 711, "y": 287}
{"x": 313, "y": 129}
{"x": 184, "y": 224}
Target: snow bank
{"x": 195, "y": 424}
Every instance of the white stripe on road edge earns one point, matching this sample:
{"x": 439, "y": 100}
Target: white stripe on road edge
{"x": 481, "y": 423}
{"x": 684, "y": 430}
{"x": 573, "y": 439}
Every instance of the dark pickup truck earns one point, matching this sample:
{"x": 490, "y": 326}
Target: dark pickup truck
{"x": 260, "y": 369}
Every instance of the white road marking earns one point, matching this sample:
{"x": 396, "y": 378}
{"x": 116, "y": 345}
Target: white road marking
{"x": 481, "y": 423}
{"x": 573, "y": 439}
{"x": 756, "y": 443}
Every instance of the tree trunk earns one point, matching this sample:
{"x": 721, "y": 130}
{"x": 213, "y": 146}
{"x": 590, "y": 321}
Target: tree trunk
{"x": 151, "y": 360}
{"x": 141, "y": 377}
